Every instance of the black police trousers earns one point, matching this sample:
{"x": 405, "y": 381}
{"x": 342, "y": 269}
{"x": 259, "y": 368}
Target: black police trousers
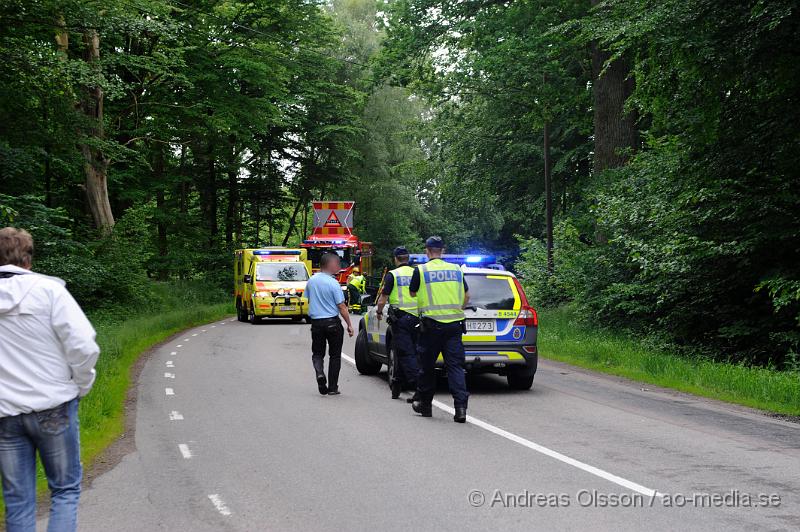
{"x": 444, "y": 338}
{"x": 404, "y": 337}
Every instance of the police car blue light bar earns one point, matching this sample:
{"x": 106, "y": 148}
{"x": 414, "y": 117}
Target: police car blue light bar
{"x": 483, "y": 261}
{"x": 276, "y": 252}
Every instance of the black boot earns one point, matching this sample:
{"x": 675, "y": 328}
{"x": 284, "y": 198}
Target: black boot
{"x": 461, "y": 415}
{"x": 413, "y": 398}
{"x": 422, "y": 409}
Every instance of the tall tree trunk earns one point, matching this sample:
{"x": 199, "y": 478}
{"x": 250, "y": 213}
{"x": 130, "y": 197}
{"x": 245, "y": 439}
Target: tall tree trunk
{"x": 95, "y": 163}
{"x": 183, "y": 188}
{"x": 233, "y": 200}
{"x": 292, "y": 220}
{"x": 161, "y": 225}
{"x": 548, "y": 198}
{"x": 208, "y": 194}
{"x": 614, "y": 129}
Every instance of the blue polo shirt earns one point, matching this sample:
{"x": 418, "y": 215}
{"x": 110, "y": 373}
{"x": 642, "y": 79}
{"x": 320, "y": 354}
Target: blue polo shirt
{"x": 324, "y": 295}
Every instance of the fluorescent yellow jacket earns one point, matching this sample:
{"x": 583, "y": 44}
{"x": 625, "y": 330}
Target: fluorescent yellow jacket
{"x": 441, "y": 291}
{"x": 400, "y": 296}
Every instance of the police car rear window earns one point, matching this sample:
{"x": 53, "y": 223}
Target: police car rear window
{"x": 490, "y": 293}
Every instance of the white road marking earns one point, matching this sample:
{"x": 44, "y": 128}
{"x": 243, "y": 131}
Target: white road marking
{"x": 204, "y": 330}
{"x": 169, "y": 391}
{"x": 179, "y": 345}
{"x": 170, "y": 364}
{"x": 213, "y": 326}
{"x": 218, "y": 503}
{"x": 175, "y": 416}
{"x": 195, "y": 334}
{"x": 184, "y": 449}
{"x": 544, "y": 450}
{"x": 186, "y": 339}
{"x": 174, "y": 353}
{"x": 169, "y": 375}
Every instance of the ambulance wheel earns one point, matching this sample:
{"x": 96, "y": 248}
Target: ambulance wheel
{"x": 241, "y": 314}
{"x": 364, "y": 364}
{"x": 520, "y": 382}
{"x": 255, "y": 320}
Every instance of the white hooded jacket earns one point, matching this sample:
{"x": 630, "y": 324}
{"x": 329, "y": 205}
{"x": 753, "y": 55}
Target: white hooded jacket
{"x": 47, "y": 345}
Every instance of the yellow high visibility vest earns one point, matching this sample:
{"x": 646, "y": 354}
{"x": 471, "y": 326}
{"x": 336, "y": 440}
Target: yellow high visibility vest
{"x": 441, "y": 291}
{"x": 400, "y": 296}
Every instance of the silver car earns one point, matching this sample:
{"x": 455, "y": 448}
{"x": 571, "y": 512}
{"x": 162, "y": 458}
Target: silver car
{"x": 500, "y": 338}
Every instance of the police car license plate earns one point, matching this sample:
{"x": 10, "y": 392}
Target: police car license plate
{"x": 480, "y": 325}
{"x": 288, "y": 308}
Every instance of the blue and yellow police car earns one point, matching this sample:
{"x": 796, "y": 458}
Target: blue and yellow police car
{"x": 501, "y": 326}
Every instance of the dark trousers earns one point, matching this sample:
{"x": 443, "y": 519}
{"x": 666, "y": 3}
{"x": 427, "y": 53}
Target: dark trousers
{"x": 444, "y": 338}
{"x": 404, "y": 336}
{"x": 328, "y": 332}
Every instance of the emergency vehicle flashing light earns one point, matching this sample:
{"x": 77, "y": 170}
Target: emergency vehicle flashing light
{"x": 276, "y": 252}
{"x": 486, "y": 261}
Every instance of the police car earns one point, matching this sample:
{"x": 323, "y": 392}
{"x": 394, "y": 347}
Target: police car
{"x": 501, "y": 326}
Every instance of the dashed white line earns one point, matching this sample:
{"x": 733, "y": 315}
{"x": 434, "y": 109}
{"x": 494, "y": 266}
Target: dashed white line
{"x": 195, "y": 334}
{"x": 219, "y": 504}
{"x": 213, "y": 326}
{"x": 174, "y": 353}
{"x": 179, "y": 345}
{"x": 186, "y": 339}
{"x": 544, "y": 450}
{"x": 184, "y": 449}
{"x": 169, "y": 375}
{"x": 175, "y": 416}
{"x": 204, "y": 330}
{"x": 169, "y": 391}
{"x": 170, "y": 364}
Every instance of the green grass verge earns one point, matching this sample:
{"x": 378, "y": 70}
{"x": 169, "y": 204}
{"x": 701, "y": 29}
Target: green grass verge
{"x": 177, "y": 306}
{"x": 563, "y": 337}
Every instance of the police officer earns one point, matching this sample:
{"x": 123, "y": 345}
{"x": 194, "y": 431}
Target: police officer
{"x": 442, "y": 293}
{"x": 403, "y": 317}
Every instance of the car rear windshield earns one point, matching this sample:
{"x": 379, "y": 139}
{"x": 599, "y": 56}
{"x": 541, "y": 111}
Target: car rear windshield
{"x": 281, "y": 271}
{"x": 491, "y": 293}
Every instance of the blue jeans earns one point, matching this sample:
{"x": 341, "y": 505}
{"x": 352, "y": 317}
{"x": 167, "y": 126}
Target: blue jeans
{"x": 54, "y": 433}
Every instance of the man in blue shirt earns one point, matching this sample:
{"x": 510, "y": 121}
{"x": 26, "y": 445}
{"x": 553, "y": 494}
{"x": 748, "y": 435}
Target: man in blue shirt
{"x": 325, "y": 305}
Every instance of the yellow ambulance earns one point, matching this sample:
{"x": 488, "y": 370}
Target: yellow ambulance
{"x": 270, "y": 283}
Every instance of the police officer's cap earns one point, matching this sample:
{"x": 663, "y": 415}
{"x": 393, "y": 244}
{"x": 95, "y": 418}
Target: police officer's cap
{"x": 434, "y": 242}
{"x": 400, "y": 251}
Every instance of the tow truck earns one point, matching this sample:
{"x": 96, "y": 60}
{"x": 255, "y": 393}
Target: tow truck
{"x": 501, "y": 326}
{"x": 270, "y": 283}
{"x": 333, "y": 233}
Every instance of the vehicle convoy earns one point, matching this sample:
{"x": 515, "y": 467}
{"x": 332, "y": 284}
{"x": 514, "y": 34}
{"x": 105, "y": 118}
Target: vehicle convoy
{"x": 333, "y": 232}
{"x": 501, "y": 326}
{"x": 270, "y": 283}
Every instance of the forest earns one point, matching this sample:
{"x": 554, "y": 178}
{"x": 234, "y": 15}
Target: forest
{"x": 634, "y": 159}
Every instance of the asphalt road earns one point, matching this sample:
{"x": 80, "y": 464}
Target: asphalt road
{"x": 231, "y": 434}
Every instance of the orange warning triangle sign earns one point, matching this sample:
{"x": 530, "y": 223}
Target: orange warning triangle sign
{"x": 333, "y": 220}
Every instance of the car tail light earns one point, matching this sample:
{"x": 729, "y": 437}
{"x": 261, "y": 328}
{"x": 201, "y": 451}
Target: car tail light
{"x": 527, "y": 314}
{"x": 527, "y": 317}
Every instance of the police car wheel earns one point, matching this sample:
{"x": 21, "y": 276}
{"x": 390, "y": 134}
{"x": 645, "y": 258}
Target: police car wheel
{"x": 364, "y": 363}
{"x": 253, "y": 318}
{"x": 391, "y": 368}
{"x": 520, "y": 382}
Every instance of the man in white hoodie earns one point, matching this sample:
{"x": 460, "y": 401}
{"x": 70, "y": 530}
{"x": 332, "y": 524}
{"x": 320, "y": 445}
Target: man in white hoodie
{"x": 47, "y": 358}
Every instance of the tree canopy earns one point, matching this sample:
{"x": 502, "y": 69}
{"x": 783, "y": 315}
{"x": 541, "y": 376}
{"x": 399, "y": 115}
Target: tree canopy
{"x": 634, "y": 157}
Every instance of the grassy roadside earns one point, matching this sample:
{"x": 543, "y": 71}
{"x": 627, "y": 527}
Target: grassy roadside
{"x": 562, "y": 337}
{"x": 176, "y": 307}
